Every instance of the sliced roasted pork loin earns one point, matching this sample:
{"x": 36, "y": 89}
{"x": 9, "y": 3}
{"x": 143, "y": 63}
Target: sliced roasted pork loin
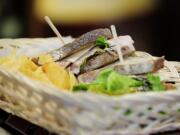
{"x": 140, "y": 63}
{"x": 124, "y": 42}
{"x": 86, "y": 40}
{"x": 98, "y": 58}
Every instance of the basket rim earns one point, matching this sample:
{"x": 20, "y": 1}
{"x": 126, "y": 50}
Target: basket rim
{"x": 56, "y": 92}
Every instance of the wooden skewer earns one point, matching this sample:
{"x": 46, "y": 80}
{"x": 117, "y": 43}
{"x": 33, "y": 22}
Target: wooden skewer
{"x": 49, "y": 22}
{"x": 118, "y": 48}
{"x": 113, "y": 30}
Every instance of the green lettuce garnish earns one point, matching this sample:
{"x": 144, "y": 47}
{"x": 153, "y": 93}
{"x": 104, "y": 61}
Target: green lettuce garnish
{"x": 80, "y": 87}
{"x": 102, "y": 43}
{"x": 155, "y": 83}
{"x": 117, "y": 82}
{"x": 110, "y": 82}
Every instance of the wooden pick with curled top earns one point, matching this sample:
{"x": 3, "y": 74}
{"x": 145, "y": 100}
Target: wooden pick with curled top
{"x": 118, "y": 48}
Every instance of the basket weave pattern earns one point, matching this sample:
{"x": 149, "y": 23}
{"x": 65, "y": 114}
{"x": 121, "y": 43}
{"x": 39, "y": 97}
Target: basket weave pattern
{"x": 83, "y": 113}
{"x": 86, "y": 113}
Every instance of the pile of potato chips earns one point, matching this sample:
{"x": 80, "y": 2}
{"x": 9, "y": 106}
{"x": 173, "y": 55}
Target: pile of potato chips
{"x": 49, "y": 71}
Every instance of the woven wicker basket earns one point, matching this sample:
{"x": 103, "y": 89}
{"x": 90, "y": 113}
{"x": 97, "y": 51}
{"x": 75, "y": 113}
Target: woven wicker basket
{"x": 86, "y": 113}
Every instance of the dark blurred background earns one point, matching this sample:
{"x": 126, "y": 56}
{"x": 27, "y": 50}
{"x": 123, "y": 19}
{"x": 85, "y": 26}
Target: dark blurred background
{"x": 153, "y": 24}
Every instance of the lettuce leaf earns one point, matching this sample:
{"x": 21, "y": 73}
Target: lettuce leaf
{"x": 155, "y": 83}
{"x": 118, "y": 82}
{"x": 103, "y": 76}
{"x": 112, "y": 83}
{"x": 81, "y": 87}
{"x": 102, "y": 43}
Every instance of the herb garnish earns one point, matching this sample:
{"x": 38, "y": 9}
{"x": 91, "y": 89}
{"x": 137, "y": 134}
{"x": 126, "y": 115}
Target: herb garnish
{"x": 112, "y": 83}
{"x": 102, "y": 43}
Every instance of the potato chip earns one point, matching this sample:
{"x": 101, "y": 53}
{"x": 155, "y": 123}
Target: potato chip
{"x": 44, "y": 58}
{"x": 57, "y": 75}
{"x": 49, "y": 71}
